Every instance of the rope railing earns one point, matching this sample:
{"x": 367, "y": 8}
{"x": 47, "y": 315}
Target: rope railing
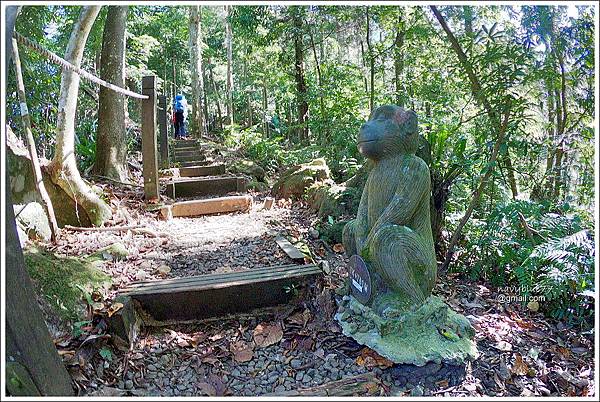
{"x": 66, "y": 65}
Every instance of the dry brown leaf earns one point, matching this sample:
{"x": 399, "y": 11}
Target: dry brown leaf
{"x": 242, "y": 351}
{"x": 207, "y": 389}
{"x": 114, "y": 308}
{"x": 267, "y": 334}
{"x": 369, "y": 358}
{"x": 519, "y": 366}
{"x": 338, "y": 248}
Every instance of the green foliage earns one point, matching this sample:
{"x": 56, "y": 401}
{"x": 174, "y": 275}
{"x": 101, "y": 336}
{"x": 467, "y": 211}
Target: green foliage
{"x": 554, "y": 260}
{"x": 85, "y": 144}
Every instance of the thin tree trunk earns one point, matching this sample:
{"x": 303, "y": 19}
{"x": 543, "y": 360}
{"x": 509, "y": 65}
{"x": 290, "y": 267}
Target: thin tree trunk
{"x": 37, "y": 171}
{"x": 195, "y": 43}
{"x": 510, "y": 173}
{"x": 364, "y": 66}
{"x": 319, "y": 84}
{"x": 371, "y": 62}
{"x": 229, "y": 44}
{"x": 111, "y": 144}
{"x": 399, "y": 58}
{"x": 300, "y": 80}
{"x": 264, "y": 104}
{"x": 500, "y": 125}
{"x": 63, "y": 167}
{"x": 218, "y": 98}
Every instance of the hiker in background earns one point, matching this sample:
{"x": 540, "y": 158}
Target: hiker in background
{"x": 180, "y": 107}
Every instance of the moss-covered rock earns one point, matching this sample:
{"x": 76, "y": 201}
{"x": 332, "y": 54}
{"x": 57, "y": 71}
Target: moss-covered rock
{"x": 330, "y": 199}
{"x": 115, "y": 251}
{"x": 22, "y": 185}
{"x": 294, "y": 181}
{"x": 32, "y": 219}
{"x": 249, "y": 168}
{"x": 65, "y": 283}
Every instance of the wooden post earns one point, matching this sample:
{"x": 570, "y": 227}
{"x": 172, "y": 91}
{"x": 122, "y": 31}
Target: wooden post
{"x": 149, "y": 154}
{"x": 162, "y": 124}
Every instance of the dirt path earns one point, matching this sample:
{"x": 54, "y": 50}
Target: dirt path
{"x": 521, "y": 352}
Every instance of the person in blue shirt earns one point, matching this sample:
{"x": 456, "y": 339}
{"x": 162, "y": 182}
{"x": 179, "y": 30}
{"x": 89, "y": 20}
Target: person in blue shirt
{"x": 180, "y": 108}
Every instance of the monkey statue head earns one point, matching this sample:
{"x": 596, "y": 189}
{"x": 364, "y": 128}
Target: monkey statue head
{"x": 391, "y": 130}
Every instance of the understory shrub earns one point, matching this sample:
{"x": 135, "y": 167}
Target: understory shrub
{"x": 539, "y": 249}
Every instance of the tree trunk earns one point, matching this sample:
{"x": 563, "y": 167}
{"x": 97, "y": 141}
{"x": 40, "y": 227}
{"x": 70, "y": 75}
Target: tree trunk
{"x": 111, "y": 143}
{"x": 371, "y": 63}
{"x": 319, "y": 84}
{"x": 299, "y": 75}
{"x": 195, "y": 41}
{"x": 510, "y": 172}
{"x": 229, "y": 44}
{"x": 500, "y": 125}
{"x": 218, "y": 98}
{"x": 399, "y": 58}
{"x": 63, "y": 167}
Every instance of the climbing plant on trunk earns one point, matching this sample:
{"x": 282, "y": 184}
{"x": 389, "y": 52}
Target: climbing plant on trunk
{"x": 63, "y": 167}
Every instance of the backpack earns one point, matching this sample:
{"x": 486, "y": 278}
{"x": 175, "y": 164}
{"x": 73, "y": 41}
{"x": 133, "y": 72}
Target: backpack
{"x": 179, "y": 106}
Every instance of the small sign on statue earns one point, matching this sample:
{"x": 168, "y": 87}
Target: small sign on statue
{"x": 360, "y": 279}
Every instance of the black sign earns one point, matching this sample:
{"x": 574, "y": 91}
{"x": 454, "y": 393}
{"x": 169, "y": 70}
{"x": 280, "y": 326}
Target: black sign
{"x": 360, "y": 280}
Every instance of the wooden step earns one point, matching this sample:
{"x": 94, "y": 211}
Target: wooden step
{"x": 192, "y": 153}
{"x": 197, "y": 171}
{"x": 205, "y": 296}
{"x": 207, "y": 206}
{"x": 204, "y": 186}
{"x": 196, "y": 163}
{"x": 186, "y": 143}
{"x": 189, "y": 157}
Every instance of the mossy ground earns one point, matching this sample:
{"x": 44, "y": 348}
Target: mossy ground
{"x": 65, "y": 283}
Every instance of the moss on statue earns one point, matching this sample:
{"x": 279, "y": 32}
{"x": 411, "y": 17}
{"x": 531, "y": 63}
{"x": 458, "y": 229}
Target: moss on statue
{"x": 423, "y": 333}
{"x": 65, "y": 283}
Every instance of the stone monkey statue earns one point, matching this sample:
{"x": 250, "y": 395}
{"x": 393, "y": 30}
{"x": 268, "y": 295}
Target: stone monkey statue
{"x": 392, "y": 229}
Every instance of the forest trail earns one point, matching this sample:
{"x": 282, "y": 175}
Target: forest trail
{"x": 294, "y": 348}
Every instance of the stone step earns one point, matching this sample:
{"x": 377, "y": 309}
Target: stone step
{"x": 214, "y": 295}
{"x": 197, "y": 171}
{"x": 207, "y": 206}
{"x": 205, "y": 186}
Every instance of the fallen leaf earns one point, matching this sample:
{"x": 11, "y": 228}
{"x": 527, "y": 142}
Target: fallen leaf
{"x": 533, "y": 306}
{"x": 197, "y": 338}
{"x": 114, "y": 308}
{"x": 369, "y": 359}
{"x": 242, "y": 351}
{"x": 503, "y": 346}
{"x": 207, "y": 389}
{"x": 163, "y": 270}
{"x": 338, "y": 248}
{"x": 519, "y": 367}
{"x": 267, "y": 334}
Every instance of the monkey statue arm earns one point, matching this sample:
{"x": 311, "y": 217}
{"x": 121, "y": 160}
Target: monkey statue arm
{"x": 414, "y": 185}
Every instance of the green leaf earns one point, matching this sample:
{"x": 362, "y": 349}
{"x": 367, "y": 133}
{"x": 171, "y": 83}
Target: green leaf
{"x": 106, "y": 354}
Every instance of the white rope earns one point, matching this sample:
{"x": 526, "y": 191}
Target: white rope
{"x": 68, "y": 66}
